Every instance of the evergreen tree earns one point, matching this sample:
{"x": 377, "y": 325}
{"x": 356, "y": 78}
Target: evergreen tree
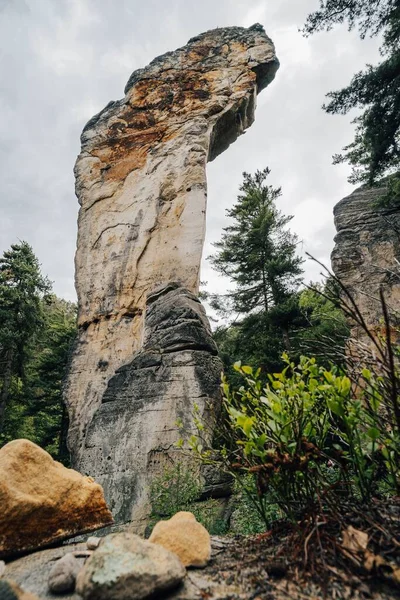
{"x": 22, "y": 288}
{"x": 327, "y": 329}
{"x": 376, "y": 91}
{"x": 258, "y": 253}
{"x": 45, "y": 410}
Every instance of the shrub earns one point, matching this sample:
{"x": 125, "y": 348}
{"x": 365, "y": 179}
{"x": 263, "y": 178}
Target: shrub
{"x": 306, "y": 437}
{"x": 175, "y": 490}
{"x": 178, "y": 489}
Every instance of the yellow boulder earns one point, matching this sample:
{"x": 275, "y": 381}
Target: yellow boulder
{"x": 186, "y": 537}
{"x": 41, "y": 501}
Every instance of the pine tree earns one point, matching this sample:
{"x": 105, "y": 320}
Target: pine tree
{"x": 256, "y": 251}
{"x": 258, "y": 254}
{"x": 375, "y": 150}
{"x": 22, "y": 288}
{"x": 46, "y": 369}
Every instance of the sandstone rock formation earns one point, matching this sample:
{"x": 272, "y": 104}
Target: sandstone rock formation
{"x": 131, "y": 436}
{"x": 41, "y": 501}
{"x": 366, "y": 256}
{"x": 186, "y": 537}
{"x": 141, "y": 184}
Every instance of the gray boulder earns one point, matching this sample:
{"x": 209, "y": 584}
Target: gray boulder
{"x": 125, "y": 567}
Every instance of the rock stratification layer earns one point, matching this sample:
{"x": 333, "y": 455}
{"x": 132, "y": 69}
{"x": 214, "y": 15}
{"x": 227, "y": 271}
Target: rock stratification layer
{"x": 141, "y": 184}
{"x": 366, "y": 256}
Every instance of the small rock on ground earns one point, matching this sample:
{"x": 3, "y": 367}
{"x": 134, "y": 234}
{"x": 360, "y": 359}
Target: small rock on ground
{"x": 63, "y": 574}
{"x": 92, "y": 542}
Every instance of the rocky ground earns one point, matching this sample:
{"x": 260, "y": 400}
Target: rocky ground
{"x": 264, "y": 567}
{"x": 333, "y": 551}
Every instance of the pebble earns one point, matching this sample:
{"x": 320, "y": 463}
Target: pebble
{"x": 63, "y": 574}
{"x": 92, "y": 542}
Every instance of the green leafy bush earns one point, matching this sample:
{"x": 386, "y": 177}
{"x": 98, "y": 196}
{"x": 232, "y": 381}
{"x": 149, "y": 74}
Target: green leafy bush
{"x": 178, "y": 489}
{"x": 306, "y": 438}
{"x": 245, "y": 519}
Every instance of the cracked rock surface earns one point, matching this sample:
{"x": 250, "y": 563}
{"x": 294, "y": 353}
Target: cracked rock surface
{"x": 141, "y": 185}
{"x": 132, "y": 436}
{"x": 366, "y": 255}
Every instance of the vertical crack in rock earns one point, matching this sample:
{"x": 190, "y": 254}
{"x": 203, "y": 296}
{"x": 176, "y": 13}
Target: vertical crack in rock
{"x": 141, "y": 184}
{"x": 367, "y": 254}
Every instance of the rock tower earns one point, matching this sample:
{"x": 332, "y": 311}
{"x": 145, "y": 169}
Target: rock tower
{"x": 144, "y": 352}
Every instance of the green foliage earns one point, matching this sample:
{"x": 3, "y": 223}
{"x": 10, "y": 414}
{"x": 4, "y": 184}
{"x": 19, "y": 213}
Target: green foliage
{"x": 376, "y": 91}
{"x": 258, "y": 253}
{"x": 22, "y": 288}
{"x": 306, "y": 437}
{"x": 37, "y": 330}
{"x": 177, "y": 489}
{"x": 390, "y": 199}
{"x": 47, "y": 369}
{"x": 318, "y": 328}
{"x": 327, "y": 331}
{"x": 245, "y": 518}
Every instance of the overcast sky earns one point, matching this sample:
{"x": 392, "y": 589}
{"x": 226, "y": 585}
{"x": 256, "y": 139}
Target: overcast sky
{"x": 62, "y": 61}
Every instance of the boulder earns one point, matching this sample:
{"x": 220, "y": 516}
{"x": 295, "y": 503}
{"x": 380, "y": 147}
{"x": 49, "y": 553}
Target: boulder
{"x": 125, "y": 567}
{"x": 42, "y": 501}
{"x": 186, "y": 537}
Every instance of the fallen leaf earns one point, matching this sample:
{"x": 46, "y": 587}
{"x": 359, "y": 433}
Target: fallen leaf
{"x": 354, "y": 540}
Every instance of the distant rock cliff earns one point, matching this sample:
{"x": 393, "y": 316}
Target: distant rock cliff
{"x": 367, "y": 255}
{"x": 141, "y": 184}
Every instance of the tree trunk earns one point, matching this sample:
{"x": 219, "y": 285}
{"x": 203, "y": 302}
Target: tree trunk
{"x": 264, "y": 279}
{"x": 5, "y": 390}
{"x": 63, "y": 453}
{"x": 286, "y": 339}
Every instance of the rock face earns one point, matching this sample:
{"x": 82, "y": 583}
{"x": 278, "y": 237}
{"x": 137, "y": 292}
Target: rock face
{"x": 186, "y": 537}
{"x": 141, "y": 184}
{"x": 132, "y": 434}
{"x": 42, "y": 501}
{"x": 125, "y": 567}
{"x": 366, "y": 255}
